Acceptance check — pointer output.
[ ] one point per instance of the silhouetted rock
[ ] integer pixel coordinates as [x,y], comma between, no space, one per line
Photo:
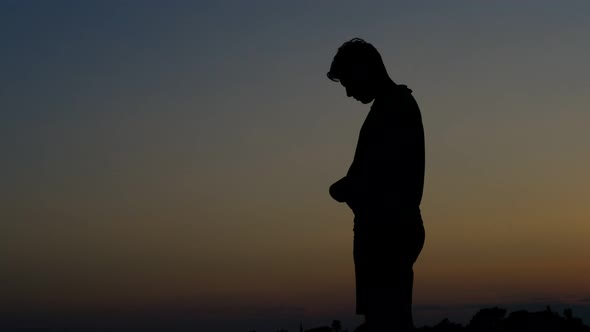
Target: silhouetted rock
[320,329]
[336,326]
[495,320]
[447,326]
[487,320]
[361,328]
[547,320]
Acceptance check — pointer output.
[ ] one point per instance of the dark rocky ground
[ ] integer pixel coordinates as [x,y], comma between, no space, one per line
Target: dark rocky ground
[496,320]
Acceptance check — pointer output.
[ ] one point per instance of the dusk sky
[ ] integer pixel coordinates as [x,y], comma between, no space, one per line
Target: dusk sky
[173,158]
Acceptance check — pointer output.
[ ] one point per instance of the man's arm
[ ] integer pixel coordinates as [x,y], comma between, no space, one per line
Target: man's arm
[339,190]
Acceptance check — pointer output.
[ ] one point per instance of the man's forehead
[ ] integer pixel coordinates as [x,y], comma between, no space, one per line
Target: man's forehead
[354,74]
[348,80]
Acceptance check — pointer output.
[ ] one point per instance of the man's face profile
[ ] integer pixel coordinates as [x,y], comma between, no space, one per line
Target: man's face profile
[358,85]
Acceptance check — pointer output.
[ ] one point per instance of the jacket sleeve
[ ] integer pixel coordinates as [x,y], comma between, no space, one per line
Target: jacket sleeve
[339,190]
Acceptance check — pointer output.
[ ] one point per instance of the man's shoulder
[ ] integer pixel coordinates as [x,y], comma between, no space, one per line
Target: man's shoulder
[398,99]
[402,95]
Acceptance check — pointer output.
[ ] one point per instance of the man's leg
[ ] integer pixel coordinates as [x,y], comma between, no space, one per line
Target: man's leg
[392,280]
[393,309]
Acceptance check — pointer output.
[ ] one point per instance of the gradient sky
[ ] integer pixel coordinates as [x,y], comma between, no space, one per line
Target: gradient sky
[176,156]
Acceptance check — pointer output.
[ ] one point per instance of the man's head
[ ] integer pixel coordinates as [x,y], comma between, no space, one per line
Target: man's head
[359,68]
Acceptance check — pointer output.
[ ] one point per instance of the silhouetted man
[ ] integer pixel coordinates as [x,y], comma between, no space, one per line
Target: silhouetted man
[383,187]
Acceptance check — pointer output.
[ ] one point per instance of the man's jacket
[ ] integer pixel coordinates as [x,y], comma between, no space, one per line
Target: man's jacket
[386,178]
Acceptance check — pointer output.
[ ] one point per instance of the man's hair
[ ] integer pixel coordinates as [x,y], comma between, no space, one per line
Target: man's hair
[354,52]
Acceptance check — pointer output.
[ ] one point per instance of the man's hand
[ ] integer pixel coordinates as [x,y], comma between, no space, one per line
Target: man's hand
[338,190]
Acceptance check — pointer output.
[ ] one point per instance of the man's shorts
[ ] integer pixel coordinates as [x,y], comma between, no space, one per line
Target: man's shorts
[384,257]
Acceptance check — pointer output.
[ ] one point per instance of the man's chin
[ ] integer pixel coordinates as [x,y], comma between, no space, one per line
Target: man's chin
[364,100]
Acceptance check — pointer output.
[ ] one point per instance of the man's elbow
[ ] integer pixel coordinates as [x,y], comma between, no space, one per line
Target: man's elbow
[338,191]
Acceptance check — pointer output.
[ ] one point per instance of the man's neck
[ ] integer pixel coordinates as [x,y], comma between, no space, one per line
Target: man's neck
[384,88]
